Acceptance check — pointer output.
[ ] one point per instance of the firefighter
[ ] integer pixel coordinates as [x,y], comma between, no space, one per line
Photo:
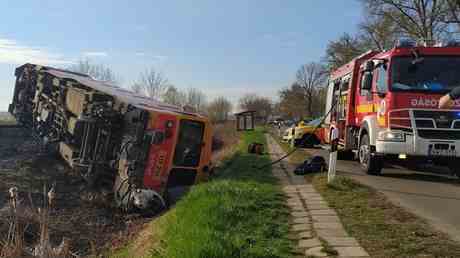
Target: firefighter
[447,101]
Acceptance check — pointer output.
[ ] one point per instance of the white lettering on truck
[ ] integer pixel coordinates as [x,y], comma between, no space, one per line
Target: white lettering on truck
[423,102]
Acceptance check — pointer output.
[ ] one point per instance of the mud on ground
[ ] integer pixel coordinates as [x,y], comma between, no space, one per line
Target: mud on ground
[87,218]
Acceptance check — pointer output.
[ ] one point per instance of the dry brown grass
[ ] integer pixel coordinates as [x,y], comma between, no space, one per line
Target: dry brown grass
[225,141]
[22,216]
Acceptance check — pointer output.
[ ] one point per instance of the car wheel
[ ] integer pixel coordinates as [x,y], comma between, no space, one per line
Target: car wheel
[309,141]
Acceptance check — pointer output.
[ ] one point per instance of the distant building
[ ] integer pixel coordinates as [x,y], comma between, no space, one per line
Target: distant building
[245,120]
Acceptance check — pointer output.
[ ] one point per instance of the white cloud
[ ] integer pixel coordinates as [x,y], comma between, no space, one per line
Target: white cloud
[156,58]
[95,53]
[12,52]
[159,57]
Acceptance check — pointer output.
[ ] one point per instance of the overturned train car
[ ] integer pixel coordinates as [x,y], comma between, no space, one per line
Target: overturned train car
[140,147]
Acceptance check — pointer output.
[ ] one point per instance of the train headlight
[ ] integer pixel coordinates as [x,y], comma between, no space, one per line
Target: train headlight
[391,136]
[169,124]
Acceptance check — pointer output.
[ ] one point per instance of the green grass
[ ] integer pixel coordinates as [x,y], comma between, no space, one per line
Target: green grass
[382,228]
[240,213]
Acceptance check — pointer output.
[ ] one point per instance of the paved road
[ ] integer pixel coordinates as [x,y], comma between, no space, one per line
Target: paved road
[433,197]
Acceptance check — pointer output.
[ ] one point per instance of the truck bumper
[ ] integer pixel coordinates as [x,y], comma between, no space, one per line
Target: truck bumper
[414,145]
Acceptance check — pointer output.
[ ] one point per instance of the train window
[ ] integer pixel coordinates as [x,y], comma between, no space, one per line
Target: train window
[189,143]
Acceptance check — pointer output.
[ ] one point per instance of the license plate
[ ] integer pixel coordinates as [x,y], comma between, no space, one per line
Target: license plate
[440,152]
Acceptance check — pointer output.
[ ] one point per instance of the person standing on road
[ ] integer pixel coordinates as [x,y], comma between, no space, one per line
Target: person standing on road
[448,100]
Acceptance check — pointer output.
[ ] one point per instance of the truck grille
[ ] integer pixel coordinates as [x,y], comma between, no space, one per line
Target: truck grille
[435,118]
[439,134]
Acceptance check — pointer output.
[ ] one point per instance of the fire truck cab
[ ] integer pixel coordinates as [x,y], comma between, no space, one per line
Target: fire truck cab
[385,105]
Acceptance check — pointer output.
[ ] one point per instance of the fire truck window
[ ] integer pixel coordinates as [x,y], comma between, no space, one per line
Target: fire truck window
[344,85]
[336,87]
[189,142]
[433,74]
[382,79]
[366,78]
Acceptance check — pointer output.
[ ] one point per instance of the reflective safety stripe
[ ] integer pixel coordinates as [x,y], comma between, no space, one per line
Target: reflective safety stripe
[381,120]
[367,108]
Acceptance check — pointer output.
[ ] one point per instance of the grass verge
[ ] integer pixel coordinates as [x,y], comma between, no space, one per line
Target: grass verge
[382,228]
[240,213]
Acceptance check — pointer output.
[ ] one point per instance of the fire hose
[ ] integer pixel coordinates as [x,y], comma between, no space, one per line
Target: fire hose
[306,139]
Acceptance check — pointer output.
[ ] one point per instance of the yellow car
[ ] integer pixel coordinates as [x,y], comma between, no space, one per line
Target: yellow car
[304,134]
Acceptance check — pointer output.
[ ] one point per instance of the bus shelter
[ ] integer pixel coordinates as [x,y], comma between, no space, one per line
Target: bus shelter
[245,120]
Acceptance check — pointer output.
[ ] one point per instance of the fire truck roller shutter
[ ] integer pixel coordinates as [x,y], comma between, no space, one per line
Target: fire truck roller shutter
[330,91]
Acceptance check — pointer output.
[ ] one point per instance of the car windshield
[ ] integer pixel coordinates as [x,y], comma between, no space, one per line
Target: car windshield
[188,149]
[314,122]
[431,73]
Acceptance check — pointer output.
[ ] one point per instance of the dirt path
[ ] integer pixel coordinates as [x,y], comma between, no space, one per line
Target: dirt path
[315,226]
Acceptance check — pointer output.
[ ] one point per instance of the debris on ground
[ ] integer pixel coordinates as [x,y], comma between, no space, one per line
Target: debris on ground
[316,164]
[256,148]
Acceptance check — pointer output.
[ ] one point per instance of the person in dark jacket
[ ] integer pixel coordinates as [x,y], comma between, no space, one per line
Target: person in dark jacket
[447,101]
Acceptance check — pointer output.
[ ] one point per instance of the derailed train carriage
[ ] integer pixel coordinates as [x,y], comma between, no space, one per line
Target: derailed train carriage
[141,148]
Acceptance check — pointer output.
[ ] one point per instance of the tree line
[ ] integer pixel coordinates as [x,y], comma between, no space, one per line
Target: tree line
[154,84]
[386,21]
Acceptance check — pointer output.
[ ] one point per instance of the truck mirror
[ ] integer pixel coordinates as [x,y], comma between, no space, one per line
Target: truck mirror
[366,82]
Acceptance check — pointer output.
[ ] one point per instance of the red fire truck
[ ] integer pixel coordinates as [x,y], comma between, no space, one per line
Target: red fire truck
[385,105]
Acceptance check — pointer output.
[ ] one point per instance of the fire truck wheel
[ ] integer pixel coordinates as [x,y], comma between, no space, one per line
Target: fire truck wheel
[370,164]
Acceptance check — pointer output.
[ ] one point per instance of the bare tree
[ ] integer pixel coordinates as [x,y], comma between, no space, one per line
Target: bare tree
[219,109]
[97,71]
[310,77]
[153,83]
[293,102]
[378,32]
[196,99]
[341,51]
[137,88]
[174,96]
[453,12]
[262,105]
[420,19]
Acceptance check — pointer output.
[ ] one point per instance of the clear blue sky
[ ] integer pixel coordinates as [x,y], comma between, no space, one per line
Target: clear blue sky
[225,48]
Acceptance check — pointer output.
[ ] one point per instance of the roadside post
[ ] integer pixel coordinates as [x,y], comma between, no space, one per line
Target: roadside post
[333,155]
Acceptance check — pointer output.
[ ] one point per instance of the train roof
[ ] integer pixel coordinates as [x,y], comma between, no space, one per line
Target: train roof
[110,88]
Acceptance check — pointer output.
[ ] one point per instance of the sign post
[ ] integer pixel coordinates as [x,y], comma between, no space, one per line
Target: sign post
[333,155]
